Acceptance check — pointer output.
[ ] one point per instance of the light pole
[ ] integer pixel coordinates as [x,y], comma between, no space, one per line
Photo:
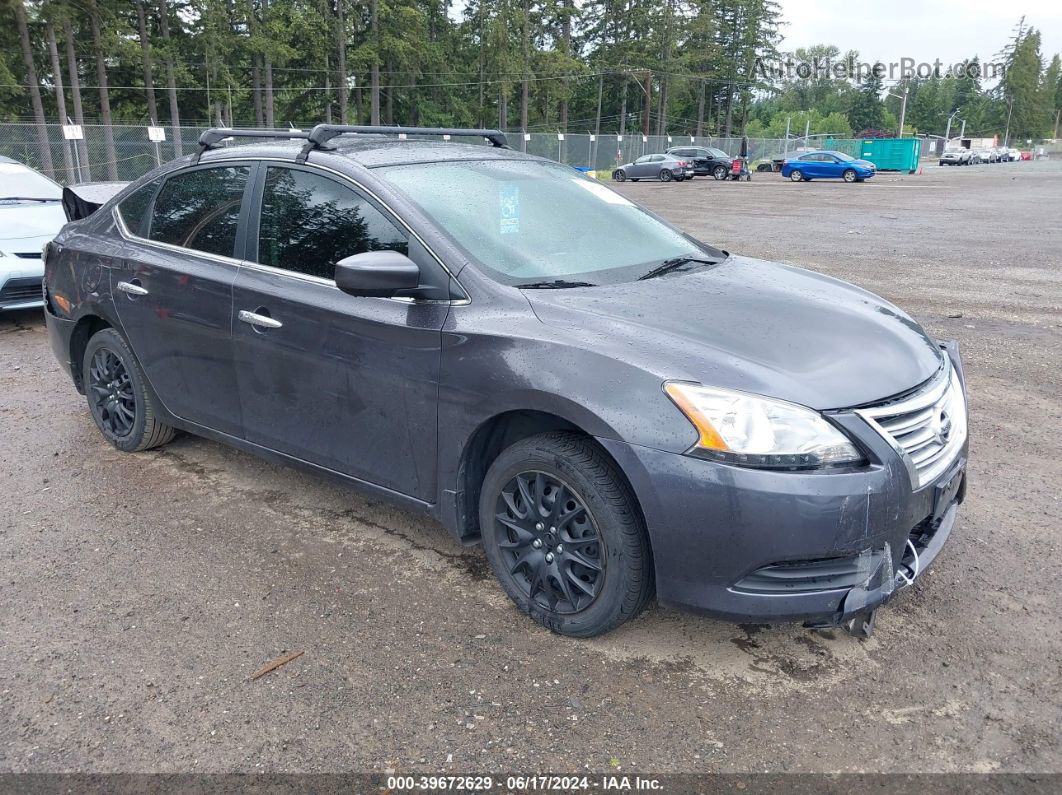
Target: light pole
[947,132]
[903,106]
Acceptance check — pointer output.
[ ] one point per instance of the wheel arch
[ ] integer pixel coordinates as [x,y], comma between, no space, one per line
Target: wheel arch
[86,326]
[493,436]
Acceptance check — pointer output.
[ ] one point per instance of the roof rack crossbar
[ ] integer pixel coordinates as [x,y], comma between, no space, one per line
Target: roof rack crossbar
[323,133]
[215,135]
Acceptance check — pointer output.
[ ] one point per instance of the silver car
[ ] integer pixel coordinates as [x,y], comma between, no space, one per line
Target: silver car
[663,167]
[31,214]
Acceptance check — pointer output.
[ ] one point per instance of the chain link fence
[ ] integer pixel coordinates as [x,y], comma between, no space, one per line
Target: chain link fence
[90,160]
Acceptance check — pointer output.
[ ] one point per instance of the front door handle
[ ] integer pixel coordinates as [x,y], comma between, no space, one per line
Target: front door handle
[132,288]
[262,321]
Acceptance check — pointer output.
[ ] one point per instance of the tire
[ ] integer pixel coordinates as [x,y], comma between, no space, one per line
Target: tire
[619,175]
[634,179]
[940,163]
[665,175]
[719,172]
[795,175]
[600,506]
[849,175]
[127,417]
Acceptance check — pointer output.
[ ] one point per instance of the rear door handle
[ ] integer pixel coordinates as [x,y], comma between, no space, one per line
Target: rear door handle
[131,288]
[263,321]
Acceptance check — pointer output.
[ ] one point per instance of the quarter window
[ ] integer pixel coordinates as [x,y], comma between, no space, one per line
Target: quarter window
[309,222]
[200,209]
[133,208]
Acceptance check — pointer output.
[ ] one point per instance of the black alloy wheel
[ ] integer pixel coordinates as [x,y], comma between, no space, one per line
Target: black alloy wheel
[550,542]
[111,394]
[122,405]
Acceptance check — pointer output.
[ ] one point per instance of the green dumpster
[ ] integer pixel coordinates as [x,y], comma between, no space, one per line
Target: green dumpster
[888,154]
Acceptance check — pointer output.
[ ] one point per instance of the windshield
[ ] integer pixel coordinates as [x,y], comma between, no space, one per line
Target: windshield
[718,152]
[19,182]
[529,222]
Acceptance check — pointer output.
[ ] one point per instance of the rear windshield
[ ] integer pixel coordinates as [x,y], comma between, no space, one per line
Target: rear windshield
[532,221]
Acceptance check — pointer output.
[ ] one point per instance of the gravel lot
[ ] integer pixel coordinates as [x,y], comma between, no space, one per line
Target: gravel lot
[139,592]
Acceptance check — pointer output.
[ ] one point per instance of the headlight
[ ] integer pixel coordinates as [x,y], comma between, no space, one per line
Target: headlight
[748,430]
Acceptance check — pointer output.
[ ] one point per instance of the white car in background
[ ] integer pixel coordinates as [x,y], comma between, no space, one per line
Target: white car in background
[31,214]
[956,157]
[987,156]
[1013,154]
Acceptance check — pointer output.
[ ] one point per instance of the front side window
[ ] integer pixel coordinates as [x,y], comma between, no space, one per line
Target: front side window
[527,221]
[200,209]
[309,222]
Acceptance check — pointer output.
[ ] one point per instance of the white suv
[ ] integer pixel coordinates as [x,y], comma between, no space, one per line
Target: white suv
[31,214]
[956,157]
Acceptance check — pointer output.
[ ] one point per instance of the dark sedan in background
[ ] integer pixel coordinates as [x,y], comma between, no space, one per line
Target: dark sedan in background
[707,160]
[664,167]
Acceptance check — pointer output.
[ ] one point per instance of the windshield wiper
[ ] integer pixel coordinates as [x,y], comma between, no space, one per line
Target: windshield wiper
[674,263]
[26,199]
[556,284]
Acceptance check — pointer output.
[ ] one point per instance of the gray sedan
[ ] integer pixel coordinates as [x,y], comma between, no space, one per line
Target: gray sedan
[662,167]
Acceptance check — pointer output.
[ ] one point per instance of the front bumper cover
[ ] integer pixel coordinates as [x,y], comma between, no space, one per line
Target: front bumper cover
[713,526]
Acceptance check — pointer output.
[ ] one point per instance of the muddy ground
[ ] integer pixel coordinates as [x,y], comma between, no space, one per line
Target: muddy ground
[139,592]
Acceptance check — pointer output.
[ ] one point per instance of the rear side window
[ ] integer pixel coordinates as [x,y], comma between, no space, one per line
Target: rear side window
[200,209]
[309,222]
[133,208]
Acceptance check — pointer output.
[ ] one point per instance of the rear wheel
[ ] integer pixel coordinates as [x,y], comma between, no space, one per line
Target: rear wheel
[619,175]
[118,397]
[665,175]
[564,536]
[719,172]
[849,175]
[795,175]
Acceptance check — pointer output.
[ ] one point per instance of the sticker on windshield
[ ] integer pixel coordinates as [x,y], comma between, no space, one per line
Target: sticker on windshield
[509,209]
[601,191]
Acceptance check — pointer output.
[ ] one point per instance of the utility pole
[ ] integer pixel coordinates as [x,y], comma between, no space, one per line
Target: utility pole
[785,152]
[962,132]
[648,101]
[1010,110]
[807,129]
[903,108]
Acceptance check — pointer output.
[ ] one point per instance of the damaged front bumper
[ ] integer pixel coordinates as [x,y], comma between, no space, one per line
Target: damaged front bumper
[822,547]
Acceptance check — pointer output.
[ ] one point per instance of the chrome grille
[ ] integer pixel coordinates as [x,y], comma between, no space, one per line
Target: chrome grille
[927,428]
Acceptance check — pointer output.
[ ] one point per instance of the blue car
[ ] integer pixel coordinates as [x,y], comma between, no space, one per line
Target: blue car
[827,164]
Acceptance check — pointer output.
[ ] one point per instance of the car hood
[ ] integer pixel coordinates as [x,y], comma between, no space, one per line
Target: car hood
[863,164]
[756,326]
[30,220]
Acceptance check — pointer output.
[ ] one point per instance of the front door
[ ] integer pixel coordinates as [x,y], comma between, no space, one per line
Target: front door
[348,383]
[173,290]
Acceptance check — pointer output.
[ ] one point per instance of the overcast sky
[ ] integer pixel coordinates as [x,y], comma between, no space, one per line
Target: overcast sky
[951,30]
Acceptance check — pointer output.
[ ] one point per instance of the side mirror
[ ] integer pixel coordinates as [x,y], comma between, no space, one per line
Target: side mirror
[377,273]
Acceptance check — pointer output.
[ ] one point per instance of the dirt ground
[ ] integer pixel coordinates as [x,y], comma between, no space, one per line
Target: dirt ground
[139,592]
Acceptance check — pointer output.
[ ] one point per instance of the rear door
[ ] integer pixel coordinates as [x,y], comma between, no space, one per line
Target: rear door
[348,383]
[173,289]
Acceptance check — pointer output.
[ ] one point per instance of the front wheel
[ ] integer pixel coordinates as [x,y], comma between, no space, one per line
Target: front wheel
[849,175]
[118,395]
[564,536]
[665,175]
[795,175]
[619,175]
